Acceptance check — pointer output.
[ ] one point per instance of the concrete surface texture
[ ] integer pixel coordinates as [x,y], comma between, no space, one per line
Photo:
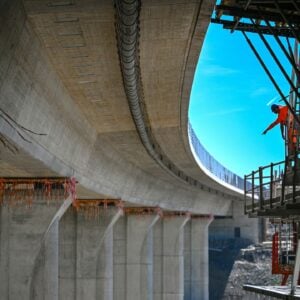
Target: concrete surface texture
[65,76]
[28,260]
[61,76]
[138,257]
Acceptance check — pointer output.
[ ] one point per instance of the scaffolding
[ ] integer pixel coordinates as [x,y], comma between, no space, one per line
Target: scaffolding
[23,192]
[273,191]
[284,248]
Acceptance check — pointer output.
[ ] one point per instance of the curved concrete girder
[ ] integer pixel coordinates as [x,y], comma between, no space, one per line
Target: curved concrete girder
[128,38]
[48,97]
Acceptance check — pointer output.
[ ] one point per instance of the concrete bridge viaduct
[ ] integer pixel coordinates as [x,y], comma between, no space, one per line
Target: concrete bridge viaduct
[99,91]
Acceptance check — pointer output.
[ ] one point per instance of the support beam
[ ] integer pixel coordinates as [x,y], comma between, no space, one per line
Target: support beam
[173,257]
[199,258]
[51,262]
[105,283]
[87,257]
[119,260]
[67,255]
[46,268]
[139,262]
[158,260]
[28,248]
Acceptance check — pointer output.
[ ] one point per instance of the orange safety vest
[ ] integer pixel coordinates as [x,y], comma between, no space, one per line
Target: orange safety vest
[282,117]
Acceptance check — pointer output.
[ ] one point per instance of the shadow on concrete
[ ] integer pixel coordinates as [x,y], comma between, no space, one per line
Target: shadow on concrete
[222,255]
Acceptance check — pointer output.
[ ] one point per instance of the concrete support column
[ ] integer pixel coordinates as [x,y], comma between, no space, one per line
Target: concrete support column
[187,261]
[28,258]
[173,257]
[51,262]
[45,277]
[199,258]
[139,261]
[104,282]
[88,236]
[157,260]
[119,259]
[67,256]
[50,252]
[87,256]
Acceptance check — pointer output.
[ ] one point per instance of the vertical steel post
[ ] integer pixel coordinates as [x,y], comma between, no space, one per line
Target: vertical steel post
[261,190]
[245,195]
[295,170]
[253,190]
[296,269]
[283,182]
[271,186]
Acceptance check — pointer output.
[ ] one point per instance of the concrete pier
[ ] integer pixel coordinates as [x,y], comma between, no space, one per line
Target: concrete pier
[113,255]
[158,260]
[119,259]
[139,262]
[197,266]
[173,257]
[87,256]
[51,262]
[28,260]
[67,255]
[105,280]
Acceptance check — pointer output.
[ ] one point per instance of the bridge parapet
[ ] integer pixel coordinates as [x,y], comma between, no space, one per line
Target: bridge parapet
[212,165]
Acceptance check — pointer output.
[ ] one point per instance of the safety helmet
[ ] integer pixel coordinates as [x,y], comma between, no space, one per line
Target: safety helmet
[274,107]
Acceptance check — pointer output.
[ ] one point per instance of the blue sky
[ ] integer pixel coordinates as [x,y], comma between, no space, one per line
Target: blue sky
[228,105]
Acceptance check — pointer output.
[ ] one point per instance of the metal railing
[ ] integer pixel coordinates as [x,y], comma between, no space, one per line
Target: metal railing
[266,187]
[273,186]
[212,165]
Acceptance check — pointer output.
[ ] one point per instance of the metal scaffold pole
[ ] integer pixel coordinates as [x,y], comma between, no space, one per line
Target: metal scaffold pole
[297,266]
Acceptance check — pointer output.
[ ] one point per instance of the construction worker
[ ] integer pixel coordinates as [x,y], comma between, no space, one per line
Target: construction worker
[285,120]
[282,112]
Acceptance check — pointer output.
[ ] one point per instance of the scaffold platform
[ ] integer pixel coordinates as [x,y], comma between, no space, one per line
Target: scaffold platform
[276,292]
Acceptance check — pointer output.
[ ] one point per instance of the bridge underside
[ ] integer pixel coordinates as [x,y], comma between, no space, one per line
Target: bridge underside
[99,91]
[62,76]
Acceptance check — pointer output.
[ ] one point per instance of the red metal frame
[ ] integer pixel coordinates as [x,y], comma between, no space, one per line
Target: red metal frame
[278,268]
